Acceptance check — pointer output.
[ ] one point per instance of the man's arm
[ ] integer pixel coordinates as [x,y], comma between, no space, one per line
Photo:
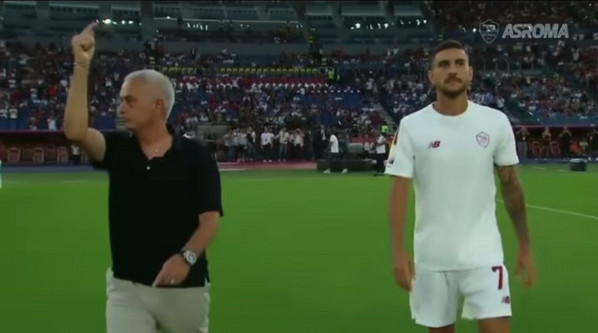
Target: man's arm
[399,196]
[76,114]
[210,207]
[205,233]
[400,166]
[176,269]
[513,196]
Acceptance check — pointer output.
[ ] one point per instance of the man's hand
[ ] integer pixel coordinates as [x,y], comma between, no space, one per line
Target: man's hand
[174,272]
[526,262]
[404,270]
[84,44]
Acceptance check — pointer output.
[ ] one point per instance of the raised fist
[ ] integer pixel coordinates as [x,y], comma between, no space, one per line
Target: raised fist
[84,44]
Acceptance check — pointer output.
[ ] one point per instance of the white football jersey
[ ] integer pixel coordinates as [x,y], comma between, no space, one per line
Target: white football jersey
[451,161]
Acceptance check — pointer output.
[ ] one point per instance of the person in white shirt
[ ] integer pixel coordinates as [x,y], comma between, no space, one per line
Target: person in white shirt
[241,144]
[298,143]
[334,152]
[267,139]
[449,150]
[229,144]
[380,146]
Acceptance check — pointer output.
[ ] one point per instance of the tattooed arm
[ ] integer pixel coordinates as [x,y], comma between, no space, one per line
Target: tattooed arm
[513,196]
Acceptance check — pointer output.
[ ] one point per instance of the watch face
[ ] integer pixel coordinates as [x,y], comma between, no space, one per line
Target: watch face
[190,257]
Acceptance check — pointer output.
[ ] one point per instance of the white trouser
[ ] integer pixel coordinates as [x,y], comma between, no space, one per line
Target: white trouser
[133,307]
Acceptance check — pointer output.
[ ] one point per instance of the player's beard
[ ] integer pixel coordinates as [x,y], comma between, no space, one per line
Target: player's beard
[453,93]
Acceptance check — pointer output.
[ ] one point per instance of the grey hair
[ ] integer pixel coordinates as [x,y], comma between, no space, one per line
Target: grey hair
[159,80]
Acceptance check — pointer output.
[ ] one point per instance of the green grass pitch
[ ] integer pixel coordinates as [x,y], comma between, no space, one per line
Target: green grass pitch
[298,252]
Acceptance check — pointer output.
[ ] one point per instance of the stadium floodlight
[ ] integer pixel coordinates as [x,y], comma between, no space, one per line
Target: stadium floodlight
[131,22]
[357,25]
[107,21]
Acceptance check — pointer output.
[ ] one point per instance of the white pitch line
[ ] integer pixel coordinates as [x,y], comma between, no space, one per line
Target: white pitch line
[539,168]
[560,211]
[62,181]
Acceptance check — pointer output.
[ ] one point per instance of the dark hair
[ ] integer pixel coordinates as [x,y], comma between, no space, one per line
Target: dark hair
[446,45]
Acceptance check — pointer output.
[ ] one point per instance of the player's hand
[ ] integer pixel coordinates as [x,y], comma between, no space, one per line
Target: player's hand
[174,272]
[404,270]
[83,44]
[525,262]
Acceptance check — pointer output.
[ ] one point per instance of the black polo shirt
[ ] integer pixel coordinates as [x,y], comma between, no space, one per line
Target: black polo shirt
[154,205]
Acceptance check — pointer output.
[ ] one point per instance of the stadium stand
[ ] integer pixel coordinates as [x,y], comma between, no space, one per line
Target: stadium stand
[331,85]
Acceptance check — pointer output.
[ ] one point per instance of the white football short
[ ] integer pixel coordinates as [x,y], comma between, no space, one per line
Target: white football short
[436,294]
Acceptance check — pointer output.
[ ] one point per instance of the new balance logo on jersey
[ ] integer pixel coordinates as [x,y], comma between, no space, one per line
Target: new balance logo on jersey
[506,300]
[434,144]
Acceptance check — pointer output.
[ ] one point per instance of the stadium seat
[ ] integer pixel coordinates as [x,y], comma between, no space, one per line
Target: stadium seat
[63,155]
[27,154]
[38,155]
[50,154]
[14,155]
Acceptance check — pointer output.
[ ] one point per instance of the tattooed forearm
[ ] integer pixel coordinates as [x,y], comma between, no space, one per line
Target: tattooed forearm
[513,196]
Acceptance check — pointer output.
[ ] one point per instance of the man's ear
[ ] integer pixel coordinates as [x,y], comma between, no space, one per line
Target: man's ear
[430,77]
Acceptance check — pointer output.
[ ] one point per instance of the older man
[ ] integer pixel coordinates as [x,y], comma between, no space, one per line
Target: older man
[164,203]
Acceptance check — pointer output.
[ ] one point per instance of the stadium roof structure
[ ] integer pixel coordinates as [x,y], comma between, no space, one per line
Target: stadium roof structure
[329,22]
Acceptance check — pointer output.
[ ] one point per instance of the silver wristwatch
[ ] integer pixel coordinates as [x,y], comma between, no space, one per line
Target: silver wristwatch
[189,256]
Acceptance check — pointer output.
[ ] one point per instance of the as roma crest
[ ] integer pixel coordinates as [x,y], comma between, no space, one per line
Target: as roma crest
[483,139]
[489,31]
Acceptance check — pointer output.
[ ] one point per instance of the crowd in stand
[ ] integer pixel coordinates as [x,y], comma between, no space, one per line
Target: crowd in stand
[34,84]
[564,85]
[544,97]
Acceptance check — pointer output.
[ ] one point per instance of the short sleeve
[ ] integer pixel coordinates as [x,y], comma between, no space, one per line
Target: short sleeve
[210,195]
[505,152]
[114,141]
[401,158]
